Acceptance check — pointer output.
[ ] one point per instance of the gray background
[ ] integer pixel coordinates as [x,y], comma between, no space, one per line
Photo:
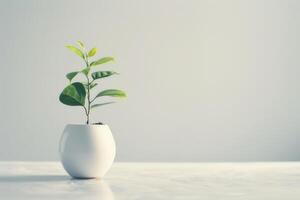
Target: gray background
[207,80]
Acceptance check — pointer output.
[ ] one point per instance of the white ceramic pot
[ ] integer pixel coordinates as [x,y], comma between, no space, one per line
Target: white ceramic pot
[87,151]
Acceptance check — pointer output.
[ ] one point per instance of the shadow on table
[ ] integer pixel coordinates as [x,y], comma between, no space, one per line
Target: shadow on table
[34,178]
[59,185]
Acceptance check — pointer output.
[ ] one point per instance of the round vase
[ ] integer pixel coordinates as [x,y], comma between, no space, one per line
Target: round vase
[87,151]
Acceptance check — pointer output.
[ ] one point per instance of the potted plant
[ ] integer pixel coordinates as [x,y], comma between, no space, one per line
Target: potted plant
[87,150]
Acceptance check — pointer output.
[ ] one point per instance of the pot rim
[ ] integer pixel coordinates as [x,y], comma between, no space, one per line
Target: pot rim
[87,125]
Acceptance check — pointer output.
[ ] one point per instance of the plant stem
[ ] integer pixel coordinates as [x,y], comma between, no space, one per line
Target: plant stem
[89,102]
[88,110]
[85,110]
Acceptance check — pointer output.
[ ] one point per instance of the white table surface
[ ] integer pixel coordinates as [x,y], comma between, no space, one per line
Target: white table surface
[172,181]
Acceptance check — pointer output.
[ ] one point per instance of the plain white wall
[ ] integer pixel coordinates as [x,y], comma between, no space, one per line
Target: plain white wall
[207,80]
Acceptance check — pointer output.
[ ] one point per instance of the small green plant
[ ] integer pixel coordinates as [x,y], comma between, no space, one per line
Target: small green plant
[79,93]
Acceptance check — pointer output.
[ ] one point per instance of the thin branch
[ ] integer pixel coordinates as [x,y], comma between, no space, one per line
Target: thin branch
[93,99]
[85,110]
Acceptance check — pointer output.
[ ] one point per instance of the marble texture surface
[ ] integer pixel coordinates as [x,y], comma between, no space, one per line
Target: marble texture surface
[184,181]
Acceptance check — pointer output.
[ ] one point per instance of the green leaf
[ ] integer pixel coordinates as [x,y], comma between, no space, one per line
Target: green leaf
[80,44]
[86,70]
[92,52]
[71,75]
[73,95]
[93,85]
[112,93]
[102,74]
[102,61]
[101,104]
[76,50]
